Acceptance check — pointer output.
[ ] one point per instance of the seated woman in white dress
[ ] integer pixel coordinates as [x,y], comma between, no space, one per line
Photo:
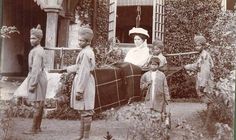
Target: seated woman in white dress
[140,54]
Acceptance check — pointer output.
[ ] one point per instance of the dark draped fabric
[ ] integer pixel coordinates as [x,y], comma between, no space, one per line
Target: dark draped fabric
[117,86]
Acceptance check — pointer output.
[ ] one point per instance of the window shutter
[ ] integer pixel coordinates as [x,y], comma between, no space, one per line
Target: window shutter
[158,20]
[112,19]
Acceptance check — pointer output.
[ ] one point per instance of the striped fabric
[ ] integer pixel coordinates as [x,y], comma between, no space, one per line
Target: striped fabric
[134,2]
[116,86]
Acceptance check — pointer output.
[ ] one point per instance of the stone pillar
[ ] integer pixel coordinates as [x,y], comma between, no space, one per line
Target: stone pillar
[63,35]
[51,35]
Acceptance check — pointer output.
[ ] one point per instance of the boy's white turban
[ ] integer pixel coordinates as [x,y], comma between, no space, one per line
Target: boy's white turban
[199,39]
[86,33]
[37,32]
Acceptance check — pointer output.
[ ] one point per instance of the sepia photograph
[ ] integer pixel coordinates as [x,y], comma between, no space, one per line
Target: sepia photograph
[117,69]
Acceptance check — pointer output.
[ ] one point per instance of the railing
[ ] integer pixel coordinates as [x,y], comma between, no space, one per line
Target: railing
[63,49]
[62,53]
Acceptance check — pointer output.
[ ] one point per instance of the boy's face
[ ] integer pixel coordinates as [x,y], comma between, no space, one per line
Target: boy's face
[199,47]
[82,42]
[153,66]
[34,41]
[155,50]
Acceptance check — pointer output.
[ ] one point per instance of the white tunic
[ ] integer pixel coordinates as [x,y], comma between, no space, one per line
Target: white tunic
[84,81]
[163,60]
[204,75]
[153,75]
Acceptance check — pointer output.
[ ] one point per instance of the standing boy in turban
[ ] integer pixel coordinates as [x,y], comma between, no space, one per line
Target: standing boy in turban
[83,88]
[203,66]
[37,80]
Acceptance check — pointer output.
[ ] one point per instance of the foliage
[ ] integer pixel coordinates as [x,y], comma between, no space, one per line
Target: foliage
[108,136]
[187,131]
[184,19]
[85,11]
[6,121]
[6,113]
[100,12]
[65,57]
[223,44]
[101,23]
[108,54]
[224,61]
[181,85]
[225,36]
[223,100]
[7,31]
[95,14]
[144,124]
[223,52]
[224,132]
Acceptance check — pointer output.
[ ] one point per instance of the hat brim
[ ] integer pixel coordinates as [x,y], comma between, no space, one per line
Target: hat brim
[138,31]
[133,34]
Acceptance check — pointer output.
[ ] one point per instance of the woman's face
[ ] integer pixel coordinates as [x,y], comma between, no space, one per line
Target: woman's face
[138,40]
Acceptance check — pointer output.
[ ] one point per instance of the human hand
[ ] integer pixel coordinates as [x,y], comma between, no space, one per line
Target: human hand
[57,71]
[79,96]
[147,84]
[31,89]
[201,89]
[211,69]
[62,71]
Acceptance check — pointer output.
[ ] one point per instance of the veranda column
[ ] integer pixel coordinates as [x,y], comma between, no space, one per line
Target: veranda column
[51,36]
[63,35]
[52,7]
[67,16]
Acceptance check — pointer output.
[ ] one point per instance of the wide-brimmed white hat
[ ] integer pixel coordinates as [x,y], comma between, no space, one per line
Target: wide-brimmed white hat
[141,31]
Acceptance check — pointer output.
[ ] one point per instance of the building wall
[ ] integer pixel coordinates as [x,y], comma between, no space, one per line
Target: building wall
[230,4]
[24,14]
[227,4]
